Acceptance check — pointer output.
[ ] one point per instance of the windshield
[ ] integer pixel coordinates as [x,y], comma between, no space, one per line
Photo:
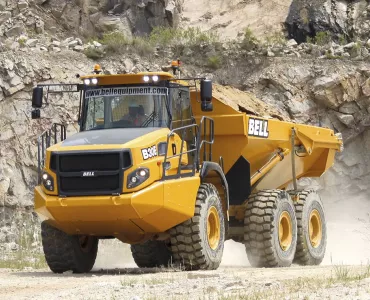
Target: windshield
[126,107]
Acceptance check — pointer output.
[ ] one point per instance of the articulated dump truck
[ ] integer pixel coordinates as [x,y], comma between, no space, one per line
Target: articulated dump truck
[164,164]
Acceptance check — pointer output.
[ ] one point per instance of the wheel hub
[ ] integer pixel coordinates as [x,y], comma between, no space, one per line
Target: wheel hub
[315,228]
[213,228]
[285,231]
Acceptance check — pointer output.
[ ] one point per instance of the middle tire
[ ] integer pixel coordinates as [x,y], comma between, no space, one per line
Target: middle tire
[198,243]
[151,254]
[270,229]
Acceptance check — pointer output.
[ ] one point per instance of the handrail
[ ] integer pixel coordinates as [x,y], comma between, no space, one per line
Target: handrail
[45,140]
[203,124]
[181,153]
[200,142]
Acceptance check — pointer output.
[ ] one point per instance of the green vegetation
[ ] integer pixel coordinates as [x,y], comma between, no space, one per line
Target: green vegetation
[329,55]
[214,62]
[160,39]
[28,253]
[346,274]
[322,38]
[22,42]
[23,259]
[276,38]
[342,40]
[205,48]
[304,16]
[190,37]
[116,42]
[94,53]
[250,41]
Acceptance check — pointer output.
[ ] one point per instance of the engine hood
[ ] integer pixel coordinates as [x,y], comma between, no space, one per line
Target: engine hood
[114,136]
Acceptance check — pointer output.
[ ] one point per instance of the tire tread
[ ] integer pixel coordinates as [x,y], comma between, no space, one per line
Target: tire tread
[59,251]
[259,227]
[186,240]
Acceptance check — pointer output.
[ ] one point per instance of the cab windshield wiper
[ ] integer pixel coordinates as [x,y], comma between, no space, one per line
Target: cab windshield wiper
[149,119]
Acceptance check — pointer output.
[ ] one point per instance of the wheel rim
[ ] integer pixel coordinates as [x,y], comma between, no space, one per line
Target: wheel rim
[85,242]
[213,228]
[285,231]
[315,229]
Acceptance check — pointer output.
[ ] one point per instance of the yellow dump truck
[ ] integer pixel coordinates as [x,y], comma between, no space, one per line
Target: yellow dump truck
[164,164]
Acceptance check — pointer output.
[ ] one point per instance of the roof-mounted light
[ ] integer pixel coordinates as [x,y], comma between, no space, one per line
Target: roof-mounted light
[155,78]
[94,81]
[146,78]
[97,69]
[87,81]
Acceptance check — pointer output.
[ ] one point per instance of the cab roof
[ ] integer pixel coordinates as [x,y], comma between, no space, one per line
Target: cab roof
[121,79]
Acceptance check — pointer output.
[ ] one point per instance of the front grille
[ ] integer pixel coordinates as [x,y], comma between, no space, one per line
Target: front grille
[91,173]
[93,162]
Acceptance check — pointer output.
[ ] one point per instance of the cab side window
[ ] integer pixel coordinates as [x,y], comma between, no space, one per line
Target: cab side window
[95,113]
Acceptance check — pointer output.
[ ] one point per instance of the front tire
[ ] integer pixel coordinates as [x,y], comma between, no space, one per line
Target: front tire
[65,252]
[198,243]
[270,229]
[312,232]
[151,254]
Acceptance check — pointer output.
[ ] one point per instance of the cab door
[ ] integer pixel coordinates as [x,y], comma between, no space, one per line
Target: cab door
[182,116]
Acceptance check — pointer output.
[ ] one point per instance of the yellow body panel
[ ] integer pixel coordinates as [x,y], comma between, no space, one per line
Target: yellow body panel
[178,203]
[129,217]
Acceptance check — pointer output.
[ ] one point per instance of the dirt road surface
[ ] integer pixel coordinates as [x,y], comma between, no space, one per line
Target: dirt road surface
[226,283]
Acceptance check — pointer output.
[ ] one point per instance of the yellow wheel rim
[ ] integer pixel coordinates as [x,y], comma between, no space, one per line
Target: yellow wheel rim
[315,228]
[285,231]
[213,228]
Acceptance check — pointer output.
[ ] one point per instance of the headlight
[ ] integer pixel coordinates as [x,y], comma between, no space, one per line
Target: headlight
[137,177]
[146,78]
[48,181]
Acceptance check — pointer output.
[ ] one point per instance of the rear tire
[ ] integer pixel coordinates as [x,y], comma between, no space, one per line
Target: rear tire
[270,229]
[198,243]
[151,254]
[311,244]
[65,252]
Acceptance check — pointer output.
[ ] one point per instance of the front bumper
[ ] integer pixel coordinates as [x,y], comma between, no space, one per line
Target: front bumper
[128,217]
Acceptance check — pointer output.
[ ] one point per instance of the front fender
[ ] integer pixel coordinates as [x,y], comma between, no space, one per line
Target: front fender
[209,166]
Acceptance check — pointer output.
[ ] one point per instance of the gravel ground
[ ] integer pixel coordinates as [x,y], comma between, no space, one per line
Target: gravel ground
[326,282]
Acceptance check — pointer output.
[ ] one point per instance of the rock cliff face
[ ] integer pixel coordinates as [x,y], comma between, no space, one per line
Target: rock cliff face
[343,18]
[230,18]
[86,17]
[89,17]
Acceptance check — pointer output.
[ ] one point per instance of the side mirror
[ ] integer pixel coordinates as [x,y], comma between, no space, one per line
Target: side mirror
[206,95]
[37,97]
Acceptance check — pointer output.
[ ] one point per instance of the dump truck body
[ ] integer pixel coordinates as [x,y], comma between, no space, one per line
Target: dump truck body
[175,172]
[247,144]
